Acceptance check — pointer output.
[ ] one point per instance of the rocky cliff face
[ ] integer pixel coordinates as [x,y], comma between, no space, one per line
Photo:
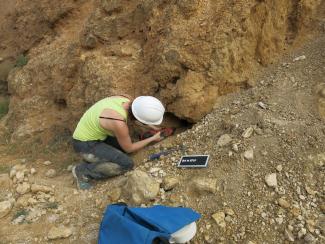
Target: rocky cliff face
[187,52]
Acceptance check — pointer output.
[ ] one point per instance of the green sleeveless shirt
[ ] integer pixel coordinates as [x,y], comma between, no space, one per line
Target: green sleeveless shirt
[89,129]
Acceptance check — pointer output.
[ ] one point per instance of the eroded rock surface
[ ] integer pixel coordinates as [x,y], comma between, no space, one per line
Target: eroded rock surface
[188,53]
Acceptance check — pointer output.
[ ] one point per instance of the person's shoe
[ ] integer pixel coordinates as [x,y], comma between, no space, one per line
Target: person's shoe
[82,181]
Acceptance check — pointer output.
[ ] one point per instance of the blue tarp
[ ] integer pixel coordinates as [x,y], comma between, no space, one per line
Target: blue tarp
[128,225]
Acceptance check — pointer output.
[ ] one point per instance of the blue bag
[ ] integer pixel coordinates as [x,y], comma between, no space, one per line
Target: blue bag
[126,225]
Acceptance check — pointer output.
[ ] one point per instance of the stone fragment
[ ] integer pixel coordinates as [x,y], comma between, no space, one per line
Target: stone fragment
[47,163]
[88,41]
[59,232]
[33,171]
[23,200]
[219,217]
[310,225]
[249,154]
[23,188]
[235,147]
[309,238]
[20,176]
[224,140]
[248,132]
[41,188]
[295,211]
[283,203]
[170,183]
[279,168]
[115,194]
[50,173]
[229,211]
[310,191]
[262,105]
[140,187]
[289,236]
[279,220]
[204,185]
[302,57]
[5,207]
[271,180]
[302,232]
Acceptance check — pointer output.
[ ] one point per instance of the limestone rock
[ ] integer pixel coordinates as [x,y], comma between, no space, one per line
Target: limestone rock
[41,188]
[114,194]
[169,183]
[23,188]
[59,232]
[249,154]
[289,236]
[23,201]
[204,185]
[283,203]
[248,132]
[5,208]
[224,140]
[271,180]
[219,217]
[51,173]
[140,187]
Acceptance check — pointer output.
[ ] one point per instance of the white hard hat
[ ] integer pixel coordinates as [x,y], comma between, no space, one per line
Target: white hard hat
[148,110]
[184,235]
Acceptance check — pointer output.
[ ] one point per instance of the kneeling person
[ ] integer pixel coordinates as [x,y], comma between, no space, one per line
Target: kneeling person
[103,140]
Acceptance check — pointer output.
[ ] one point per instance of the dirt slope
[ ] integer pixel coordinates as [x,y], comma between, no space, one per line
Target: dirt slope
[284,135]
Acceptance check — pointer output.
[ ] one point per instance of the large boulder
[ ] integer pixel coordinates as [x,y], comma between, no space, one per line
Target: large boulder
[140,188]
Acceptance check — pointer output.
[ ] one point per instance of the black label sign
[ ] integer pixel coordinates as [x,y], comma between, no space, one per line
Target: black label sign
[194,161]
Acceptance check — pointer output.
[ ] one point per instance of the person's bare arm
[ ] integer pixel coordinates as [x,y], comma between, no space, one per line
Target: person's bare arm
[121,132]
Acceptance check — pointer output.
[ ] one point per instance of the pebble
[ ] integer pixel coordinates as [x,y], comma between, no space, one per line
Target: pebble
[235,147]
[283,203]
[70,168]
[289,236]
[302,233]
[310,191]
[50,173]
[59,232]
[249,154]
[248,132]
[279,220]
[20,176]
[279,168]
[302,57]
[271,180]
[5,207]
[47,163]
[309,238]
[32,171]
[219,217]
[23,188]
[170,183]
[224,140]
[262,105]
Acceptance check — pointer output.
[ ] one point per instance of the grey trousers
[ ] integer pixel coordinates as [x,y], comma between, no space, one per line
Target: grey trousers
[102,159]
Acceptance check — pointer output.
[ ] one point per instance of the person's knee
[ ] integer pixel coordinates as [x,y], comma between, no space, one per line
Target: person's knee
[128,164]
[89,157]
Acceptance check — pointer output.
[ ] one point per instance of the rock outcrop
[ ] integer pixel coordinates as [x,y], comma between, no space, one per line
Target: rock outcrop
[188,53]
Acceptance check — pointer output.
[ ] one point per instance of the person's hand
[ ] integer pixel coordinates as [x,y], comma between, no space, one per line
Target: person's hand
[157,137]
